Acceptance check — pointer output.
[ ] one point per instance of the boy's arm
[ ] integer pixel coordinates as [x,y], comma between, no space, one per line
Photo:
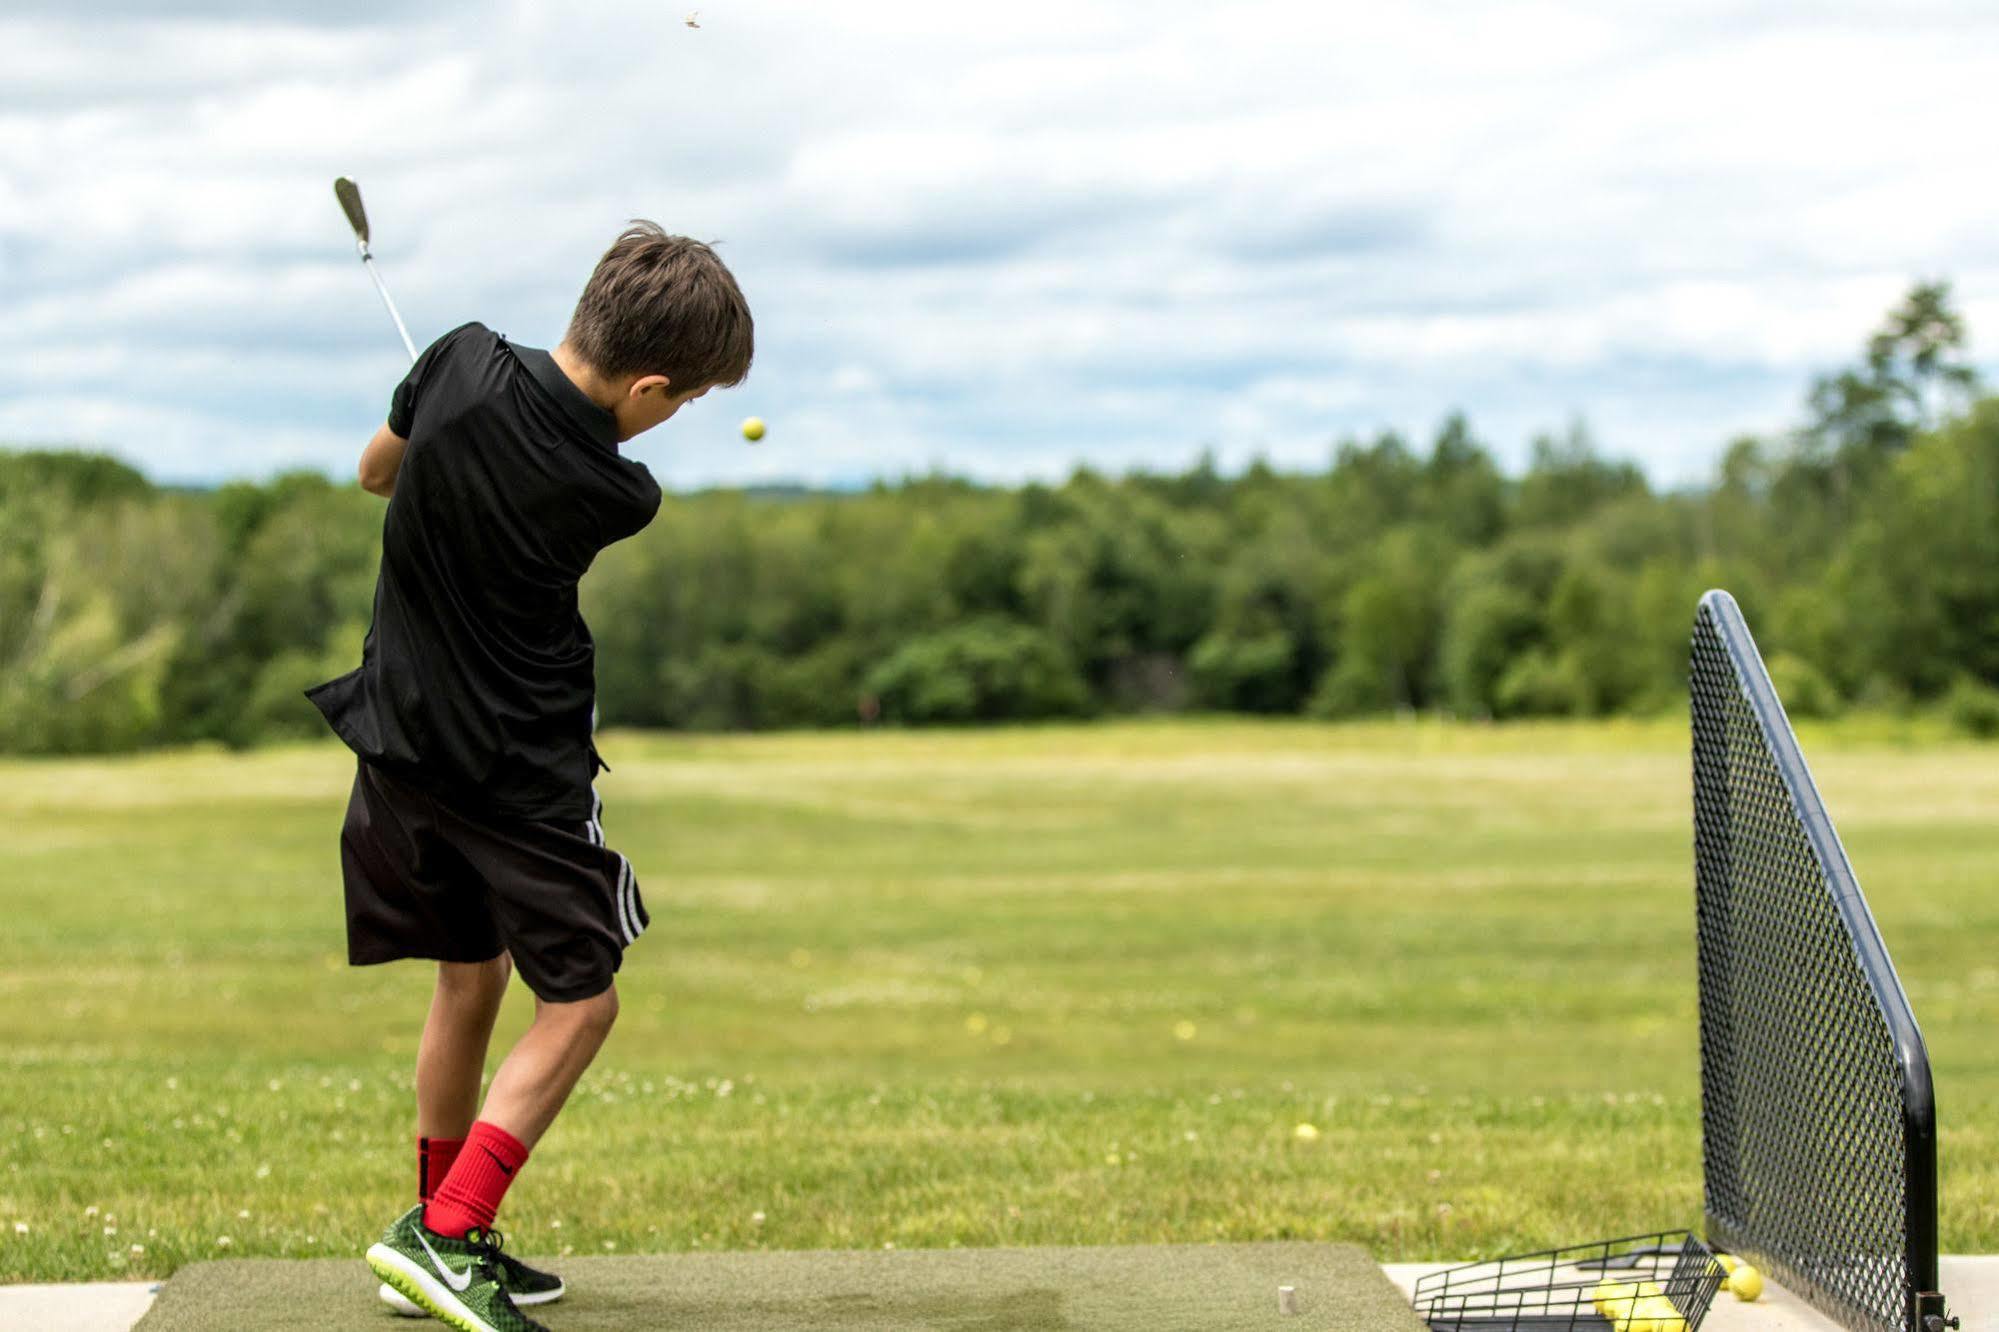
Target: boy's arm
[380,462]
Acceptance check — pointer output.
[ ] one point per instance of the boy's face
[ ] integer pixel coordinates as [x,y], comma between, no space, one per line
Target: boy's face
[649,401]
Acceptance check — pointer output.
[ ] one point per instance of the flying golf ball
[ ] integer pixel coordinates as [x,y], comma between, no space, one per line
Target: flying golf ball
[753,428]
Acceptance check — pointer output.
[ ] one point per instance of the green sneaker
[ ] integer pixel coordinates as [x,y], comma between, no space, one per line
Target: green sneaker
[528,1286]
[456,1281]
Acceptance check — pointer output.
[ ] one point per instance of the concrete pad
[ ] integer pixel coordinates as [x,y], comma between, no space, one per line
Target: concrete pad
[1970,1283]
[102,1306]
[1972,1286]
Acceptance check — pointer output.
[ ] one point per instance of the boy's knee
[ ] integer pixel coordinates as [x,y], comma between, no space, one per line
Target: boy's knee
[475,980]
[598,1012]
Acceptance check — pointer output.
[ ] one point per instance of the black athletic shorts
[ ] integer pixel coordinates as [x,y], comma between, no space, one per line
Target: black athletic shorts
[426,880]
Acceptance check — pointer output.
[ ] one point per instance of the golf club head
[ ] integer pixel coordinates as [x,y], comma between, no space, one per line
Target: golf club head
[349,194]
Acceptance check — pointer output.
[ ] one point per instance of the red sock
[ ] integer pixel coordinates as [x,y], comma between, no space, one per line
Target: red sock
[470,1195]
[433,1162]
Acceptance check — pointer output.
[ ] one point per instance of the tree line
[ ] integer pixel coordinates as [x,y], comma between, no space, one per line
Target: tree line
[1864,544]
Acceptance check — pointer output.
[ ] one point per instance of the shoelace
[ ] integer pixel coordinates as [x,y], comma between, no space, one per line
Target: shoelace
[489,1244]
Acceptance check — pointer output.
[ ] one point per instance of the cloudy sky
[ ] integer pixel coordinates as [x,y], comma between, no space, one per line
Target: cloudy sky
[999,240]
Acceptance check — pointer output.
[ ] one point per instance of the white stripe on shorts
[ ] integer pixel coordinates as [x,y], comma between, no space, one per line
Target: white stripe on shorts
[628,911]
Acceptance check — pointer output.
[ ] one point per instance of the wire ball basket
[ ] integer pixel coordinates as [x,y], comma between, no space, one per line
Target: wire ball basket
[1662,1282]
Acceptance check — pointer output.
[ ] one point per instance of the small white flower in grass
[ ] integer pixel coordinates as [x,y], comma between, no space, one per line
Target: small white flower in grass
[1112,1158]
[138,1249]
[1306,1133]
[223,1241]
[275,1085]
[20,1227]
[243,1215]
[1191,1136]
[173,1084]
[263,1171]
[90,1211]
[888,1244]
[756,1218]
[555,1224]
[610,1245]
[110,1230]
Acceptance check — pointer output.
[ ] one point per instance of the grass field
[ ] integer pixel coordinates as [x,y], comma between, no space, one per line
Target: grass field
[1044,986]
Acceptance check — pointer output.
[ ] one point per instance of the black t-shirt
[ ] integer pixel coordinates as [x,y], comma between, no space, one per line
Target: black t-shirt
[477,679]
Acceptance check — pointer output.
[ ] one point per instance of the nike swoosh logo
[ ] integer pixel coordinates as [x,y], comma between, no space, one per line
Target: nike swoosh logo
[505,1169]
[458,1281]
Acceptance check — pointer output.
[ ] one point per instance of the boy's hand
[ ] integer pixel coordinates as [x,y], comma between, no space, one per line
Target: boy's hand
[380,462]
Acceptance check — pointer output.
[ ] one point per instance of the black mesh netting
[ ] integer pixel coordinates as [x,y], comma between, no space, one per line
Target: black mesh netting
[1808,1051]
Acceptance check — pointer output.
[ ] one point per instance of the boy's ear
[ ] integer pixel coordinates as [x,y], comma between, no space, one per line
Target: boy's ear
[646,383]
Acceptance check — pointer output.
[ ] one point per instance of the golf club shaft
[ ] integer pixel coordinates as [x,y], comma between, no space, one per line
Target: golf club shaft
[368,262]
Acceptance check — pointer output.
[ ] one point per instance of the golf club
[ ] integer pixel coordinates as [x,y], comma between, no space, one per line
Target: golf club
[349,194]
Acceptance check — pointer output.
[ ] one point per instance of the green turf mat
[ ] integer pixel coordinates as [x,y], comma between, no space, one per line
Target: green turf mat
[1209,1287]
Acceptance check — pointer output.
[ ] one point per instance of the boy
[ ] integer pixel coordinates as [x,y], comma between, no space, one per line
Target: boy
[473,835]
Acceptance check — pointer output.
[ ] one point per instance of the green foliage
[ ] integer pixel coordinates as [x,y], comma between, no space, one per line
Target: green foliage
[1803,687]
[1541,683]
[987,670]
[45,476]
[1397,579]
[1973,707]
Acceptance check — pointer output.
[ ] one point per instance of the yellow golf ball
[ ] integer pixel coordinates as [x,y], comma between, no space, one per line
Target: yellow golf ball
[753,428]
[1746,1282]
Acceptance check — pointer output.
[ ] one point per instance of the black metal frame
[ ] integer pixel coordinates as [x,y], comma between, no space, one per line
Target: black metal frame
[1804,1162]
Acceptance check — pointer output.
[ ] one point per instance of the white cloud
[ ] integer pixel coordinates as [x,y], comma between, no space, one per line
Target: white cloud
[999,241]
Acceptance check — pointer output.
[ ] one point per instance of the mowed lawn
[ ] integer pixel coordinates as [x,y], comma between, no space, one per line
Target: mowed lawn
[1038,986]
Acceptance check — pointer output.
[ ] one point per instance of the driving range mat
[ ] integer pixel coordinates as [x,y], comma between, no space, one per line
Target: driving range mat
[1208,1287]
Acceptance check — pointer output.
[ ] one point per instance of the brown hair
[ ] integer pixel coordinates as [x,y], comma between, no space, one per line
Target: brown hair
[663,305]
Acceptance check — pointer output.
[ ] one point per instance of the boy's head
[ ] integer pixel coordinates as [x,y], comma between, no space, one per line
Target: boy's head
[663,321]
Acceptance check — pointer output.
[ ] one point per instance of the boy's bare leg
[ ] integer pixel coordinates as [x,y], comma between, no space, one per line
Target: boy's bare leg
[544,1065]
[452,1057]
